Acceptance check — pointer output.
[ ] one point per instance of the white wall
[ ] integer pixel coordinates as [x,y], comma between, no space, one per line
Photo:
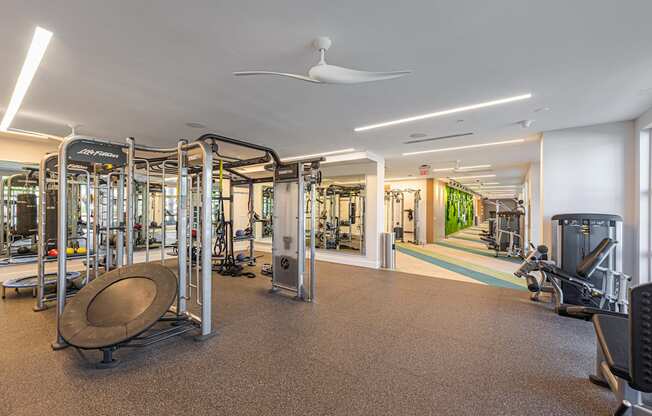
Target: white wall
[533,201]
[591,170]
[643,199]
[439,193]
[25,149]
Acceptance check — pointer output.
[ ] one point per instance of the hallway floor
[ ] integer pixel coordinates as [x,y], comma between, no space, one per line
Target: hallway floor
[462,256]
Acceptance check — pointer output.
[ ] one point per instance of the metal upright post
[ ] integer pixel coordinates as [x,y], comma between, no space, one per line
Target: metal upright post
[120,211]
[252,224]
[2,214]
[130,200]
[96,220]
[206,238]
[41,209]
[146,197]
[182,249]
[62,238]
[301,234]
[163,201]
[109,222]
[313,269]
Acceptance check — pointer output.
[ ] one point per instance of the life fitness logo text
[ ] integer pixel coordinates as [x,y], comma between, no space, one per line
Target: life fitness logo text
[102,153]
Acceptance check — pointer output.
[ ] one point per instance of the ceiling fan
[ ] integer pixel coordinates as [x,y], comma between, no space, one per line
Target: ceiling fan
[324,73]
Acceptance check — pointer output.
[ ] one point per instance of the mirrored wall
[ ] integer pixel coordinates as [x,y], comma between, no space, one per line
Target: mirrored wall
[340,214]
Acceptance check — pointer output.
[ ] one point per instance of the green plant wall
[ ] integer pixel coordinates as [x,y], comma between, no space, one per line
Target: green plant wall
[459,210]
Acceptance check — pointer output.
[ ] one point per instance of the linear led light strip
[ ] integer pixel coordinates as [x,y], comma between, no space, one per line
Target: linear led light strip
[446,112]
[470,146]
[462,168]
[334,152]
[491,175]
[496,188]
[37,49]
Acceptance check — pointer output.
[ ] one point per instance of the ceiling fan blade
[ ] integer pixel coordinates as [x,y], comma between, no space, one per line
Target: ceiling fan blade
[332,74]
[282,74]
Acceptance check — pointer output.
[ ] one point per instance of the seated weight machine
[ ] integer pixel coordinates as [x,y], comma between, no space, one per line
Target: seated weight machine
[624,351]
[609,295]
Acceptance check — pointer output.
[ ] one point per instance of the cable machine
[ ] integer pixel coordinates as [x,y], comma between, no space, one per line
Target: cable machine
[402,218]
[292,181]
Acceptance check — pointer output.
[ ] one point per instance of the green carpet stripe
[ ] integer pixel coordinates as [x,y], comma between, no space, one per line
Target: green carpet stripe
[468,265]
[462,237]
[468,234]
[478,251]
[480,277]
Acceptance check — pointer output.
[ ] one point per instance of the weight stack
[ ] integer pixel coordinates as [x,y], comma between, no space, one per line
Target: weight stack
[26,214]
[51,214]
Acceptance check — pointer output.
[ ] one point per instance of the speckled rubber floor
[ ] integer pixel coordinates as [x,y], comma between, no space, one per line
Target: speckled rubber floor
[375,343]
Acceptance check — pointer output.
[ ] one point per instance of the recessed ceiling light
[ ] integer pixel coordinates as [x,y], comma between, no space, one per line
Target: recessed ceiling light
[473,177]
[445,112]
[417,135]
[35,54]
[471,146]
[333,152]
[196,125]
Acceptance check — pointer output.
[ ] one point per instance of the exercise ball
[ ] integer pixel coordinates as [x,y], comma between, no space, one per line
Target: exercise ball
[53,252]
[70,251]
[81,250]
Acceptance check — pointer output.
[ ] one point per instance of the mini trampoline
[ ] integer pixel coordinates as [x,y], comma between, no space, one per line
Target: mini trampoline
[31,282]
[118,306]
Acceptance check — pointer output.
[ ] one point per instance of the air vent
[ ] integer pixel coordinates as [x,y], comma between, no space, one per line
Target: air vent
[431,139]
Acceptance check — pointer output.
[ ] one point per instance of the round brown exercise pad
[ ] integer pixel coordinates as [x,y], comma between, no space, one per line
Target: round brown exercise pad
[118,306]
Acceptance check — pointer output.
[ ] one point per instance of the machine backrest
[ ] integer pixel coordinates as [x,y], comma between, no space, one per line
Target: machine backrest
[640,332]
[591,261]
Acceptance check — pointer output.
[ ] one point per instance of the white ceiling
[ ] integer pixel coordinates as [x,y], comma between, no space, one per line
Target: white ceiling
[145,68]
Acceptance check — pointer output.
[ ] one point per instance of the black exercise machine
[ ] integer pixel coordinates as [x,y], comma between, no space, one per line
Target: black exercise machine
[608,296]
[624,351]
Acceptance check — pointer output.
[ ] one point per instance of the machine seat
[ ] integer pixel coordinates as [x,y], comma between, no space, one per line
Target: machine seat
[591,261]
[613,336]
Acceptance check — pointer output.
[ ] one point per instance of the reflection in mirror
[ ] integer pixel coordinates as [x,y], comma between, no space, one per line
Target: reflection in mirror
[266,211]
[18,197]
[340,208]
